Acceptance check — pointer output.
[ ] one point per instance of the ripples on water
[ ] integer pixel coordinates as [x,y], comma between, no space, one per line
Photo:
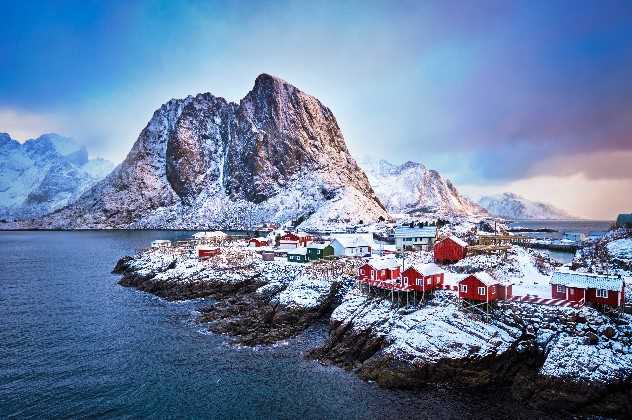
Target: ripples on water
[75,344]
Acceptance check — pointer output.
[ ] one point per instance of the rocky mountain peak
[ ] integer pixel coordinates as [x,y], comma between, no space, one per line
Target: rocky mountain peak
[202,161]
[513,206]
[412,188]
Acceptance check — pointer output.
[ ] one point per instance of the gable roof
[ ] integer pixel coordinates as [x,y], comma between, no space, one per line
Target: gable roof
[423,232]
[484,278]
[351,241]
[456,240]
[297,251]
[383,263]
[318,246]
[586,280]
[426,269]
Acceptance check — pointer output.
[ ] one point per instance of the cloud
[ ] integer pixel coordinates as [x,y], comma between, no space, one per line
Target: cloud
[22,125]
[600,199]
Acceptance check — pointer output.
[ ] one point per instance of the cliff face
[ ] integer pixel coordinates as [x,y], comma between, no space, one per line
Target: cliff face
[201,161]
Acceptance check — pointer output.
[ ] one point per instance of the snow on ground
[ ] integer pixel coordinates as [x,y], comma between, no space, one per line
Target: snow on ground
[605,362]
[305,293]
[620,248]
[430,333]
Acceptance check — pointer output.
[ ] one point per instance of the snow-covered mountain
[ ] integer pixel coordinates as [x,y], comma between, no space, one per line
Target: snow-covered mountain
[412,188]
[515,207]
[44,174]
[201,161]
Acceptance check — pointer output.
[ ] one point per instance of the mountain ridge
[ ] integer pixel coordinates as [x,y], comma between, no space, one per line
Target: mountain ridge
[413,189]
[202,161]
[513,206]
[44,174]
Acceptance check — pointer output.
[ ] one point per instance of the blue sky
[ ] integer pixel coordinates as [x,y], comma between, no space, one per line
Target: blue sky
[531,96]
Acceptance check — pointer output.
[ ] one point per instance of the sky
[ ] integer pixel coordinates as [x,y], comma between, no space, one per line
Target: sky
[532,97]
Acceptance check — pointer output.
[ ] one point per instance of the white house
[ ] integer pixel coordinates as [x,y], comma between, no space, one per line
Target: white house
[351,246]
[415,238]
[574,236]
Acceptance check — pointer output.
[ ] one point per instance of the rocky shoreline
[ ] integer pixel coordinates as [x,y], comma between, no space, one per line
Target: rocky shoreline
[546,358]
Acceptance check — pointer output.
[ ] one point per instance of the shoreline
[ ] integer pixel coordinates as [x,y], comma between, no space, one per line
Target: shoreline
[260,309]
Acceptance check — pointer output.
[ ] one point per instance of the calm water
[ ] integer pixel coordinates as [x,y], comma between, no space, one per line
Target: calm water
[75,344]
[561,226]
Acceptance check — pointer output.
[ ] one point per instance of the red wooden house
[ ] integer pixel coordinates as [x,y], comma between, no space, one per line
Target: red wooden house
[449,249]
[380,269]
[480,287]
[207,251]
[302,238]
[587,287]
[258,242]
[423,278]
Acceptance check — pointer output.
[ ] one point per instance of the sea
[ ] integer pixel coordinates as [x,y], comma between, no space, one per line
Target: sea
[559,227]
[75,344]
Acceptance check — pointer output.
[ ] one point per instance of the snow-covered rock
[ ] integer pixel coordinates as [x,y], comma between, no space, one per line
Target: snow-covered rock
[201,162]
[620,248]
[412,188]
[515,207]
[44,174]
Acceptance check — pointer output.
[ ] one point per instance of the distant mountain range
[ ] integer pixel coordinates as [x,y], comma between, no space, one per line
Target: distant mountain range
[411,188]
[512,206]
[201,161]
[44,174]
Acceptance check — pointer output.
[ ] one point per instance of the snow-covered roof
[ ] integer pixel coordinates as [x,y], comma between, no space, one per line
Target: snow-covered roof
[456,240]
[288,241]
[383,263]
[319,246]
[427,269]
[260,239]
[297,251]
[206,248]
[423,232]
[586,280]
[352,241]
[484,277]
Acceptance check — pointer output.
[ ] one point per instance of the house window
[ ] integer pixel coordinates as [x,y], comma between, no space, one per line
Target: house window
[561,289]
[464,288]
[481,291]
[373,274]
[405,280]
[429,282]
[419,282]
[399,282]
[602,293]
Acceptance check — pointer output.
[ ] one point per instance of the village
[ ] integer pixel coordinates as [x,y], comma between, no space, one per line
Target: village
[460,302]
[422,258]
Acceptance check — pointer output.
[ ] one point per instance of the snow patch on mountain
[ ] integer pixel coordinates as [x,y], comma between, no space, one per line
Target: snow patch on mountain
[412,188]
[515,207]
